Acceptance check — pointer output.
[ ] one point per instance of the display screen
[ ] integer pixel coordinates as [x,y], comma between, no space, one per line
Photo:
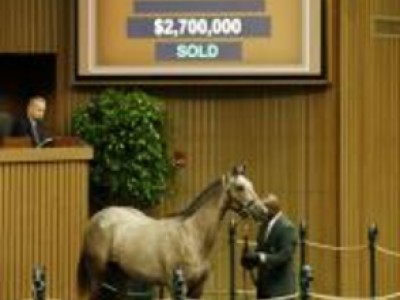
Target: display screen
[198,38]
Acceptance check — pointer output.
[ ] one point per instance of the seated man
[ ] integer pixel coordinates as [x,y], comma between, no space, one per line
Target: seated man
[273,256]
[31,123]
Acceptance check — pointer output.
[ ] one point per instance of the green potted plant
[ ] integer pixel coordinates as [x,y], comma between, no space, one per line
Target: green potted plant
[131,164]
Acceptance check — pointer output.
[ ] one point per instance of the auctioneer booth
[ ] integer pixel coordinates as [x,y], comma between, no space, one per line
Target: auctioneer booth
[43,209]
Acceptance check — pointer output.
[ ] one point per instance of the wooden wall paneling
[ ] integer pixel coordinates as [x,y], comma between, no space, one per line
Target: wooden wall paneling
[350,139]
[28,26]
[369,142]
[322,174]
[38,228]
[385,145]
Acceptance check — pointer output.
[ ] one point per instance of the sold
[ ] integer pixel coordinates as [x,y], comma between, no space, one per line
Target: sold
[197,51]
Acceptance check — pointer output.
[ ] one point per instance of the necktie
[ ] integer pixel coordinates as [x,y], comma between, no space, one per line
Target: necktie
[262,232]
[268,231]
[35,133]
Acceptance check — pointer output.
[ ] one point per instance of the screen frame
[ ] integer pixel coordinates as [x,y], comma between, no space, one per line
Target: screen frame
[243,79]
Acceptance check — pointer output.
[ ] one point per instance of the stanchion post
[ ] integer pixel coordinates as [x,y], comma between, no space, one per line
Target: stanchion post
[38,283]
[178,285]
[305,270]
[372,237]
[232,275]
[305,282]
[302,234]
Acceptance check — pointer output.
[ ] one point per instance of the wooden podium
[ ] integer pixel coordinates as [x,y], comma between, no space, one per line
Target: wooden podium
[43,210]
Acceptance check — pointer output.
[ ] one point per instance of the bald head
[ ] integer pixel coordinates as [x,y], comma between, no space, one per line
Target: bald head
[271,201]
[36,108]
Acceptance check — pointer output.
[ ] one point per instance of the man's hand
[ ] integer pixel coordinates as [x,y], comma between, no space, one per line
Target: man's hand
[250,259]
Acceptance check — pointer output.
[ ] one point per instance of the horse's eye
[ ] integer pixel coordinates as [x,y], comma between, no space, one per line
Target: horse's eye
[239,188]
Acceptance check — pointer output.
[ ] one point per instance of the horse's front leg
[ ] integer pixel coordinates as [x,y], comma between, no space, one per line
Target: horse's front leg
[161,291]
[195,288]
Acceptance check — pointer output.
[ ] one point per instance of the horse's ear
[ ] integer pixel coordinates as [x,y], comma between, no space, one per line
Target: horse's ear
[239,170]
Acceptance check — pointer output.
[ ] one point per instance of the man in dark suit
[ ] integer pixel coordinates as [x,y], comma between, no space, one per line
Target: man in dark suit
[31,123]
[273,256]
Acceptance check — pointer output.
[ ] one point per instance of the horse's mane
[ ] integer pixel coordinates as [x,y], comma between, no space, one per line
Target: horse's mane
[199,200]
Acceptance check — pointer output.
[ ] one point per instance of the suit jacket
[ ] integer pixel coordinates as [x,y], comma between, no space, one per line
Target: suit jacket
[276,277]
[23,127]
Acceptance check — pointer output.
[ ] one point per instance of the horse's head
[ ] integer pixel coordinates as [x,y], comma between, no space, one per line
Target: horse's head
[242,197]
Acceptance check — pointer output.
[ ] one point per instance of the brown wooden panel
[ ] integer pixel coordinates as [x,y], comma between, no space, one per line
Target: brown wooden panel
[369,143]
[43,208]
[29,26]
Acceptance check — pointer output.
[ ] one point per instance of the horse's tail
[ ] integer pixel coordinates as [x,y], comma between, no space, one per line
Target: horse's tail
[83,278]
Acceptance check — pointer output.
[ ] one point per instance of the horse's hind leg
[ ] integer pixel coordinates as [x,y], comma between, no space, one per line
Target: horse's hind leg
[95,287]
[115,284]
[97,271]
